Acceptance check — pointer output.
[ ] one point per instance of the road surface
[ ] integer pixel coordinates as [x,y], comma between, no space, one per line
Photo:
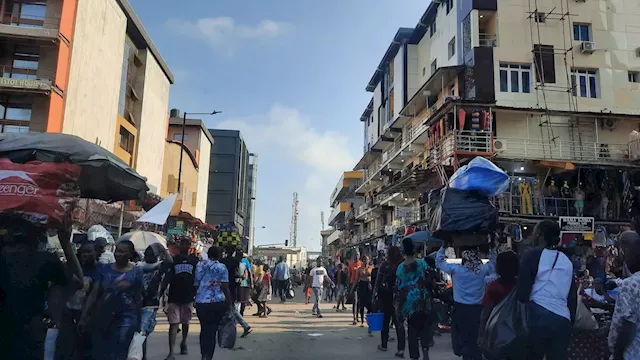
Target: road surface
[290,332]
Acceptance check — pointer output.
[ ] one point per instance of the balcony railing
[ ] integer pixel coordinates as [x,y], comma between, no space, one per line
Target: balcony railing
[460,141]
[487,40]
[514,204]
[561,150]
[29,21]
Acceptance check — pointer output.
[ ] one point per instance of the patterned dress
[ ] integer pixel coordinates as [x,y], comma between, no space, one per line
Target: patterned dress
[627,308]
[411,285]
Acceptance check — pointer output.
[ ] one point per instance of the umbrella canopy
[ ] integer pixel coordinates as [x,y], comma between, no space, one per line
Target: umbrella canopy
[159,213]
[424,237]
[142,239]
[104,176]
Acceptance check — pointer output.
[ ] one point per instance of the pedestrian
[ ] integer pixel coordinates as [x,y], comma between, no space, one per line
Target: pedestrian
[212,299]
[308,281]
[232,262]
[353,278]
[468,291]
[26,276]
[342,281]
[384,290]
[246,281]
[155,265]
[181,292]
[546,284]
[319,276]
[364,288]
[105,256]
[281,275]
[114,315]
[414,301]
[497,290]
[265,293]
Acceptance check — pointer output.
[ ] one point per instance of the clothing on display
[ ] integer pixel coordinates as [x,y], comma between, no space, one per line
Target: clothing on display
[579,202]
[475,120]
[538,198]
[525,196]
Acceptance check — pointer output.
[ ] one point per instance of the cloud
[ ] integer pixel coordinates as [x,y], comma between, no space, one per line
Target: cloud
[225,32]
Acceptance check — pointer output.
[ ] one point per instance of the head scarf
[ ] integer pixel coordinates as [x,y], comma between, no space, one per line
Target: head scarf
[471,260]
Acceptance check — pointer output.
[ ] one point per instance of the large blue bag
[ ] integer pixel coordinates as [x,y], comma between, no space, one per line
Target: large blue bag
[480,175]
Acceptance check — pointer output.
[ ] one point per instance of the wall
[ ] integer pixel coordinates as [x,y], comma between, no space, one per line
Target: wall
[615,31]
[223,177]
[91,106]
[193,134]
[190,176]
[152,129]
[413,72]
[398,84]
[203,176]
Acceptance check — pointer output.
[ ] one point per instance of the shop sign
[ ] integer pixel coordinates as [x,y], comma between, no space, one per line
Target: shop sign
[405,211]
[177,229]
[577,225]
[25,83]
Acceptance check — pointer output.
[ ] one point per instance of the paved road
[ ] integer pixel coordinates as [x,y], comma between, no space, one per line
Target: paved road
[288,333]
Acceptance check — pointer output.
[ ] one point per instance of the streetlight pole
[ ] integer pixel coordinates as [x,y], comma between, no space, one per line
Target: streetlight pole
[184,127]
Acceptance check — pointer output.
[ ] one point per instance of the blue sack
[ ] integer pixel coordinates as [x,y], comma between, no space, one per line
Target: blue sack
[480,175]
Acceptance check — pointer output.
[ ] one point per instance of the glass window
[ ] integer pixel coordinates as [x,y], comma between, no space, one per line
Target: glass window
[584,83]
[126,140]
[540,17]
[581,32]
[128,51]
[449,5]
[14,113]
[434,66]
[14,129]
[432,28]
[178,137]
[30,14]
[452,47]
[515,78]
[634,76]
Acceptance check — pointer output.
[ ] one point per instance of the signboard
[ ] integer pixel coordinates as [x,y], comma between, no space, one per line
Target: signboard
[177,229]
[31,84]
[577,225]
[405,211]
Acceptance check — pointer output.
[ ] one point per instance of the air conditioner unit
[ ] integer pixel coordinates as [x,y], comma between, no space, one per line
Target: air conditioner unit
[499,145]
[587,47]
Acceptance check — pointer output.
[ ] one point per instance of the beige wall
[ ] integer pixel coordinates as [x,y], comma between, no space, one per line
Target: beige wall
[189,180]
[203,177]
[153,122]
[91,106]
[615,31]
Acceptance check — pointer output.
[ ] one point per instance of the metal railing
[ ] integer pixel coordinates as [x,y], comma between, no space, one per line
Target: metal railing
[515,204]
[561,150]
[487,40]
[11,72]
[460,141]
[30,21]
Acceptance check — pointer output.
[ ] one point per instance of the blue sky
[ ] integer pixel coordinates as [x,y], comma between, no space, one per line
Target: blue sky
[291,76]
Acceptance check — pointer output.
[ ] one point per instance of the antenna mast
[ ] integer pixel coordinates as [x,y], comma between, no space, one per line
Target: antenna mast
[293,236]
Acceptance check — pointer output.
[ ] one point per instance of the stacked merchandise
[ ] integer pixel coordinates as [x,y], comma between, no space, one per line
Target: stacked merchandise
[462,211]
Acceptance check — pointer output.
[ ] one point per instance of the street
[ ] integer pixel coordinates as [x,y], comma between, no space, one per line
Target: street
[290,332]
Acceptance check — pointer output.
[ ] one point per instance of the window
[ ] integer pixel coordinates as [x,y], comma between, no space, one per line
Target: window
[540,17]
[634,76]
[449,4]
[583,83]
[452,90]
[515,78]
[544,62]
[126,140]
[14,129]
[582,32]
[424,70]
[432,28]
[434,66]
[452,47]
[178,137]
[28,14]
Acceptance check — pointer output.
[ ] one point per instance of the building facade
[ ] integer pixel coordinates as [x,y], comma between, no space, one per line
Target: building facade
[250,228]
[86,68]
[546,93]
[228,193]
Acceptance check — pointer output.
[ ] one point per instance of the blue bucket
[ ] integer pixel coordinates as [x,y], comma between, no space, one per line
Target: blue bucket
[374,321]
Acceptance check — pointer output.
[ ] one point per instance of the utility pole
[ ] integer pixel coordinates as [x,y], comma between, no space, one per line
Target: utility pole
[184,127]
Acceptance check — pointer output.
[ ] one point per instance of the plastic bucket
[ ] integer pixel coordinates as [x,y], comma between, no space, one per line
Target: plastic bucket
[374,321]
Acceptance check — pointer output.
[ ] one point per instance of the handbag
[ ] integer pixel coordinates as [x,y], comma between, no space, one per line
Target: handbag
[135,347]
[508,321]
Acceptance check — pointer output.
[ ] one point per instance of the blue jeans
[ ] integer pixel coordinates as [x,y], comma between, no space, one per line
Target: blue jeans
[149,322]
[317,293]
[239,318]
[549,334]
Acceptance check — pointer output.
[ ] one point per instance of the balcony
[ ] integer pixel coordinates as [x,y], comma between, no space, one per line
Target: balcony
[29,26]
[338,212]
[25,80]
[460,142]
[574,151]
[487,40]
[512,204]
[348,181]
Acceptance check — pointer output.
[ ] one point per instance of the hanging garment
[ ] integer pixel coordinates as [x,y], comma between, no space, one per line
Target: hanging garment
[488,121]
[475,120]
[441,125]
[604,204]
[483,125]
[516,233]
[538,200]
[579,203]
[462,118]
[525,195]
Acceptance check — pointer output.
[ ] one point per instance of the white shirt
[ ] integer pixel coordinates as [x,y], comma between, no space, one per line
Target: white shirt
[107,257]
[318,274]
[551,288]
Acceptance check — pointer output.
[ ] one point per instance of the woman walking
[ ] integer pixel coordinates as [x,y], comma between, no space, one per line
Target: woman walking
[213,299]
[384,290]
[265,293]
[414,301]
[115,314]
[545,282]
[342,281]
[364,288]
[468,291]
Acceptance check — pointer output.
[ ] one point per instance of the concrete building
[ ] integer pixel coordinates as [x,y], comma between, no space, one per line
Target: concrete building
[294,256]
[547,93]
[86,68]
[228,192]
[196,156]
[250,228]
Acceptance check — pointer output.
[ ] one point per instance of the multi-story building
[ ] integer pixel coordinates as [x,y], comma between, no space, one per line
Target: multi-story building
[228,180]
[547,93]
[86,68]
[196,154]
[250,227]
[344,203]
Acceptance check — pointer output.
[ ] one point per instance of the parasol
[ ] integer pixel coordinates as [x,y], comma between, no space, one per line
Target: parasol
[424,237]
[142,239]
[104,176]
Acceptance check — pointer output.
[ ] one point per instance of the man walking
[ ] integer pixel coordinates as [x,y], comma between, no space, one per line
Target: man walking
[319,276]
[180,279]
[232,262]
[281,275]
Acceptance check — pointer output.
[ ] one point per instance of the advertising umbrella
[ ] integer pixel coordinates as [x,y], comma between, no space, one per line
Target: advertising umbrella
[424,237]
[104,176]
[142,239]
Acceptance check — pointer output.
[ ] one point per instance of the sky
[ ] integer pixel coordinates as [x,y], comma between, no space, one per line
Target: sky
[291,76]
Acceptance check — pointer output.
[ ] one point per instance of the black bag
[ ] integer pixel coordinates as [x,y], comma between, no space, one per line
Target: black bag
[507,321]
[461,211]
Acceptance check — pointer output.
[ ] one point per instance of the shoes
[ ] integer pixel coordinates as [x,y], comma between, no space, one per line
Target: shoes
[256,314]
[247,332]
[319,316]
[183,349]
[399,354]
[263,316]
[381,348]
[269,311]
